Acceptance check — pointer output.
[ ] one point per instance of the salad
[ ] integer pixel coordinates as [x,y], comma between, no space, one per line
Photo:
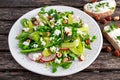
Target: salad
[54,38]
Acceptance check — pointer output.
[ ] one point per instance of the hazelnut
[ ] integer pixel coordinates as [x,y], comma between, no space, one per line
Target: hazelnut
[118,26]
[116,18]
[108,49]
[109,18]
[94,0]
[117,53]
[59,55]
[104,21]
[87,41]
[97,18]
[49,17]
[81,58]
[69,58]
[65,21]
[65,60]
[28,40]
[35,23]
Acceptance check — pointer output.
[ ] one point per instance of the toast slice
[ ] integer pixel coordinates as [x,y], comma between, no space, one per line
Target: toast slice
[102,8]
[112,34]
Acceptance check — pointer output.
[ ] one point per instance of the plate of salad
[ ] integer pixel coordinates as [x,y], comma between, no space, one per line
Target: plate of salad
[55,40]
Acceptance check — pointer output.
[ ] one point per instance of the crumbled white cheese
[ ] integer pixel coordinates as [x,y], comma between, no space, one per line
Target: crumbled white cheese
[35,28]
[64,17]
[35,45]
[41,24]
[85,25]
[37,17]
[53,48]
[26,43]
[42,41]
[52,14]
[79,31]
[45,15]
[69,30]
[58,22]
[58,61]
[76,18]
[57,32]
[36,56]
[26,29]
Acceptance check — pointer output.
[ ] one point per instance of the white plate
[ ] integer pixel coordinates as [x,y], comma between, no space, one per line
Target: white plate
[90,55]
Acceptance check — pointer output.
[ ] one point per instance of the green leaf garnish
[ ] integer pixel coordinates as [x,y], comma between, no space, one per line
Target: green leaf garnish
[118,37]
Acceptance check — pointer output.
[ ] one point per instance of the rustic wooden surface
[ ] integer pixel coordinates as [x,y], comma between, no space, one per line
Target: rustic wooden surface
[105,67]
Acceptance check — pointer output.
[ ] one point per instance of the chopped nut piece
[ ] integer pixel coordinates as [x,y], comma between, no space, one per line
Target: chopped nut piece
[35,23]
[87,41]
[104,21]
[109,18]
[65,60]
[81,58]
[108,49]
[117,53]
[69,58]
[97,18]
[49,17]
[116,18]
[65,21]
[28,40]
[59,55]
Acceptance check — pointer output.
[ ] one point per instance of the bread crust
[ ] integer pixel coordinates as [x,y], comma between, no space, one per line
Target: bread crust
[111,40]
[102,14]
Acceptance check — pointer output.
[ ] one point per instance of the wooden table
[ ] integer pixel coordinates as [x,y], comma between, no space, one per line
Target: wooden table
[105,67]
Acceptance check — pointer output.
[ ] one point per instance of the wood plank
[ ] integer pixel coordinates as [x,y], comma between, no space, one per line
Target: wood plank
[77,76]
[5,26]
[105,61]
[4,42]
[38,3]
[15,13]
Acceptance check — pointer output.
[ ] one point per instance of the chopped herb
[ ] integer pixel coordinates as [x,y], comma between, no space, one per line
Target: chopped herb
[93,38]
[113,26]
[118,37]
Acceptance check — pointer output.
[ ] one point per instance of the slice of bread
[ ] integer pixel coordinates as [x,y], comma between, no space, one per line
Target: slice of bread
[112,36]
[102,8]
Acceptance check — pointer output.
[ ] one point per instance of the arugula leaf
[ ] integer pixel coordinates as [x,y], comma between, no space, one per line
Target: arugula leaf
[54,67]
[113,26]
[65,65]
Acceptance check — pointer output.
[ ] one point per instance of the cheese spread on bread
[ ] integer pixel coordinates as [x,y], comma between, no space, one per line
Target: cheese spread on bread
[101,6]
[114,34]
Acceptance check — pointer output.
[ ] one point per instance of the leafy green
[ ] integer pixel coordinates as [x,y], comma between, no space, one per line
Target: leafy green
[65,65]
[93,38]
[23,36]
[113,26]
[34,36]
[54,67]
[118,37]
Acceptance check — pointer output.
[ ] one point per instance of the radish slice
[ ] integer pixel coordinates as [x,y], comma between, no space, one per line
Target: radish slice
[49,58]
[35,56]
